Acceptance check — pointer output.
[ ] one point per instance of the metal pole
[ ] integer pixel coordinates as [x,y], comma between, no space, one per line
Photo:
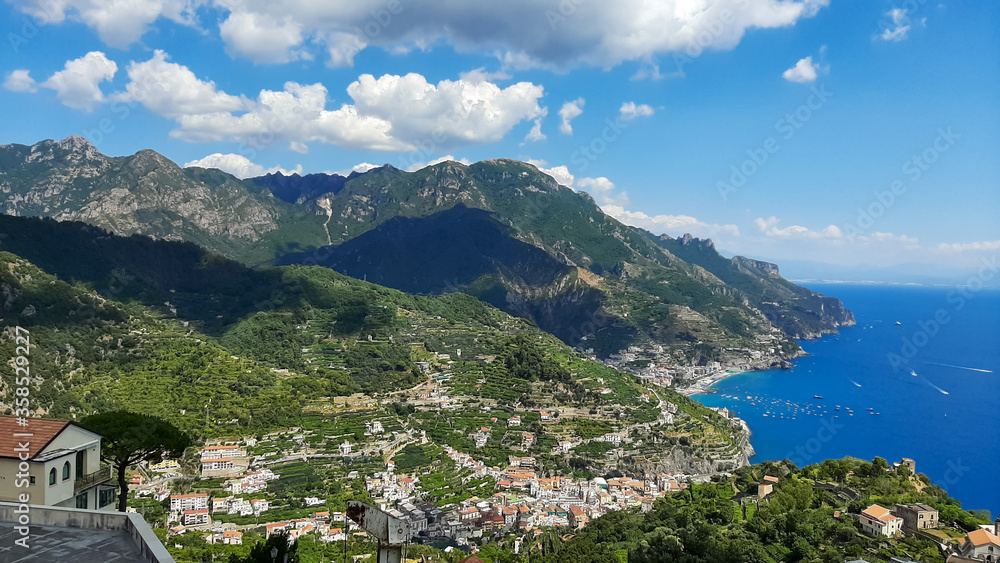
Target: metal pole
[347,527]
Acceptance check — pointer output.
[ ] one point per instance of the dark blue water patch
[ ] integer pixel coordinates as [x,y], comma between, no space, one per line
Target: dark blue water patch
[927,388]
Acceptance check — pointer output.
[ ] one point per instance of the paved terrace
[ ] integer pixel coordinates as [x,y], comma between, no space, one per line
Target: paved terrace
[85,536]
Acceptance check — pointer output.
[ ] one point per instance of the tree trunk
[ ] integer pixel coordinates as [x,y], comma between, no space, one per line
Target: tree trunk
[122,488]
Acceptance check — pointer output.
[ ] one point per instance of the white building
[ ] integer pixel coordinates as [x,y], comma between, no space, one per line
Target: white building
[879,521]
[63,464]
[180,503]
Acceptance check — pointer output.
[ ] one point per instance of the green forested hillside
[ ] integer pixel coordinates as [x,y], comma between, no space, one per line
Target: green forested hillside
[804,519]
[172,330]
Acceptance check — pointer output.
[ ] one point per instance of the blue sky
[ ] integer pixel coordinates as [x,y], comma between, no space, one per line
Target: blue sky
[782,130]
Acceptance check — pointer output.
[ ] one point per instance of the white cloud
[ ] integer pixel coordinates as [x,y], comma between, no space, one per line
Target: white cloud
[603,191]
[527,32]
[445,158]
[19,81]
[898,27]
[560,173]
[482,75]
[962,247]
[630,111]
[674,225]
[77,85]
[804,71]
[260,38]
[391,113]
[298,147]
[359,168]
[770,228]
[119,23]
[535,134]
[569,112]
[172,90]
[238,165]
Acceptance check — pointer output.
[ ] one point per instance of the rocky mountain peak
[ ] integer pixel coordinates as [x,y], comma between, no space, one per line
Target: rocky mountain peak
[687,239]
[750,264]
[75,143]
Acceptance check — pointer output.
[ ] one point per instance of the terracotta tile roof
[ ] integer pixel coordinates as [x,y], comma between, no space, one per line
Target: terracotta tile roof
[876,512]
[983,537]
[43,431]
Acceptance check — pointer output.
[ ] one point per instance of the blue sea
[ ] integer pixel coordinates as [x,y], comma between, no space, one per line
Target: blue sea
[927,388]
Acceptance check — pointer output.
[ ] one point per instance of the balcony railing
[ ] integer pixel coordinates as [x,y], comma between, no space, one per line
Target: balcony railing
[102,475]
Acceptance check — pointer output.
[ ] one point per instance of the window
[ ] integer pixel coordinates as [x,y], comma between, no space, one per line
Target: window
[32,478]
[80,464]
[66,471]
[106,497]
[52,476]
[81,500]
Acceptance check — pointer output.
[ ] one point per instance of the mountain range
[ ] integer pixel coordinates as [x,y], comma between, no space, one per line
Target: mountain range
[500,230]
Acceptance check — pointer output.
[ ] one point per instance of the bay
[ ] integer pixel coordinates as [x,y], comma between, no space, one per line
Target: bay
[927,388]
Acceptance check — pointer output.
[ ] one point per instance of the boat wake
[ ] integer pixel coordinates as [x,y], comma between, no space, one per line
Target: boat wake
[940,390]
[856,384]
[961,367]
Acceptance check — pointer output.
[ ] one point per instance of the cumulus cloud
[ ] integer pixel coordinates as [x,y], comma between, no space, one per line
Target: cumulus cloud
[172,90]
[238,165]
[390,113]
[630,111]
[523,33]
[119,23]
[260,38]
[897,26]
[535,134]
[570,111]
[603,191]
[77,85]
[19,81]
[804,71]
[560,173]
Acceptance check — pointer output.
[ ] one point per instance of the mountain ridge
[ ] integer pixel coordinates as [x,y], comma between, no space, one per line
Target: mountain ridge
[609,287]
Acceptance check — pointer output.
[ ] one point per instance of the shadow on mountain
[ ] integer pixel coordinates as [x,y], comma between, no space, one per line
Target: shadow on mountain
[170,276]
[468,250]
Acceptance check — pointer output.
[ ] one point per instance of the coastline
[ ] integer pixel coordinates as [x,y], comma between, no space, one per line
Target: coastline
[703,385]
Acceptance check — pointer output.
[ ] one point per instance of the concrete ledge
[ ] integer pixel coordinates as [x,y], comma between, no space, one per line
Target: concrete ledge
[147,545]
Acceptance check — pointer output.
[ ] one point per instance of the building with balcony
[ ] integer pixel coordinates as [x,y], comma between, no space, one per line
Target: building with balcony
[64,464]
